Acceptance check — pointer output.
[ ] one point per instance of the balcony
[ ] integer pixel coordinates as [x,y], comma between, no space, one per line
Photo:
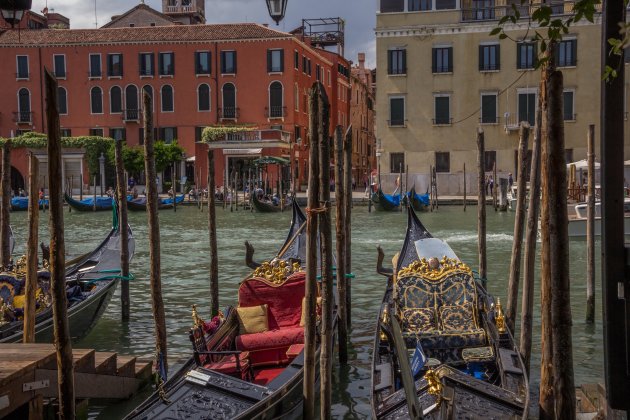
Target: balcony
[475,11]
[131,115]
[276,112]
[183,6]
[23,117]
[228,113]
[253,139]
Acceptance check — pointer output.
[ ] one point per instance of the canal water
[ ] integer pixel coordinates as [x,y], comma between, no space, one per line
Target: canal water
[185,256]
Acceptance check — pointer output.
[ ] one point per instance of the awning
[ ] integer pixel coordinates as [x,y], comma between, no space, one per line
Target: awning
[242,151]
[582,164]
[191,159]
[271,160]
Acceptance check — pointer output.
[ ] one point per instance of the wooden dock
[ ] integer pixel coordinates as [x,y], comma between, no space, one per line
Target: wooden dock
[28,374]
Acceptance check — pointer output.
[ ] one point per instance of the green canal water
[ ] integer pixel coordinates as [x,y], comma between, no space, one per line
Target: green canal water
[185,268]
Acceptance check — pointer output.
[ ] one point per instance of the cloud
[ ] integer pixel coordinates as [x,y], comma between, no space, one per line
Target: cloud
[359,15]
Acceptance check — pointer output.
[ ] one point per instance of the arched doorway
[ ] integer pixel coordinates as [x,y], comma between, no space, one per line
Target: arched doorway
[17,180]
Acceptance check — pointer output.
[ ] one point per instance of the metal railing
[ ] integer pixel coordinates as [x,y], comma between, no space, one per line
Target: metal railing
[276,112]
[23,117]
[470,12]
[131,114]
[228,113]
[258,135]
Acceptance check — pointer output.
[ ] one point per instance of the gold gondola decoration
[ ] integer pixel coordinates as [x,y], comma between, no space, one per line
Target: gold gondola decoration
[276,272]
[434,269]
[500,318]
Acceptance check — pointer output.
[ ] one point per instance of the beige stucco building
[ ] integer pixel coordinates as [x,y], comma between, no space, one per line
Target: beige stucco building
[441,75]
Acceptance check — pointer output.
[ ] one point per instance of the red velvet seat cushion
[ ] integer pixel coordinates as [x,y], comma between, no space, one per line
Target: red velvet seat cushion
[227,364]
[270,347]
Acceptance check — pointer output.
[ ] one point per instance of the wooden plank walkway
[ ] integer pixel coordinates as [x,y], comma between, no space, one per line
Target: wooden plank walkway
[29,372]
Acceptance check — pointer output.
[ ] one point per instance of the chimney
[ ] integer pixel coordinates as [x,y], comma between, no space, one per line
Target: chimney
[362,61]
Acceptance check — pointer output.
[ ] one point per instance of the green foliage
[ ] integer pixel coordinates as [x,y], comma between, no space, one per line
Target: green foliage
[166,154]
[214,133]
[133,158]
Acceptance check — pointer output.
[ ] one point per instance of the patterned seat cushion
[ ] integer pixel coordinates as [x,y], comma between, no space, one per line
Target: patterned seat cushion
[447,347]
[457,318]
[419,319]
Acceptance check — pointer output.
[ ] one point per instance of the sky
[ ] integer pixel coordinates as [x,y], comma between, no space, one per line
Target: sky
[359,15]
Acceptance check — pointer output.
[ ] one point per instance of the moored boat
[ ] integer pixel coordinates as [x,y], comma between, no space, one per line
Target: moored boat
[241,372]
[578,221]
[465,362]
[21,203]
[90,203]
[419,202]
[140,203]
[90,284]
[267,206]
[385,202]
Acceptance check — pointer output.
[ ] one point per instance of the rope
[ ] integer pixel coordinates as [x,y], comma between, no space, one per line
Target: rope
[318,210]
[161,377]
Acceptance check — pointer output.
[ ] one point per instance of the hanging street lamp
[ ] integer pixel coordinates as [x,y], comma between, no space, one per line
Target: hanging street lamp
[13,10]
[277,8]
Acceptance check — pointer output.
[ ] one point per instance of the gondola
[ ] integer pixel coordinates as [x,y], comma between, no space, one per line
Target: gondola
[419,202]
[245,376]
[266,207]
[21,203]
[87,204]
[90,284]
[140,203]
[465,362]
[386,202]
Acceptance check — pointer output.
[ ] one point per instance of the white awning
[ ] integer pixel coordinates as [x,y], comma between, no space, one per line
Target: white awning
[242,151]
[191,159]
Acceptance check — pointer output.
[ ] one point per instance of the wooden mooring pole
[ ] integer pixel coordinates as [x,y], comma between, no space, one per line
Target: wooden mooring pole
[31,249]
[311,258]
[5,216]
[63,344]
[515,264]
[340,207]
[154,236]
[495,186]
[590,228]
[121,202]
[347,177]
[465,200]
[369,187]
[325,239]
[531,238]
[212,236]
[481,207]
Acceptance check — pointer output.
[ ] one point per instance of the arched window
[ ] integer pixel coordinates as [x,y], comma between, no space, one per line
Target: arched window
[24,105]
[275,100]
[62,100]
[167,98]
[296,97]
[131,103]
[96,100]
[203,97]
[229,101]
[148,89]
[115,100]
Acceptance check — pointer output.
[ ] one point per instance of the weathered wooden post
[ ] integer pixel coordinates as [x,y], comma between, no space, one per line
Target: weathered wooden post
[481,207]
[465,200]
[502,202]
[431,187]
[590,228]
[154,236]
[174,187]
[495,186]
[311,256]
[340,207]
[63,345]
[347,177]
[531,238]
[435,185]
[121,202]
[369,187]
[94,203]
[400,186]
[212,233]
[515,264]
[5,216]
[31,249]
[325,240]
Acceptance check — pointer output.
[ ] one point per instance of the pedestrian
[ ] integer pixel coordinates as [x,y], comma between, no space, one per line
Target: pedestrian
[487,184]
[491,182]
[510,180]
[132,183]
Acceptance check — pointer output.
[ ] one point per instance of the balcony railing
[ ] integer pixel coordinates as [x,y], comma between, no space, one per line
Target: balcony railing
[131,115]
[23,117]
[228,113]
[257,136]
[276,112]
[471,12]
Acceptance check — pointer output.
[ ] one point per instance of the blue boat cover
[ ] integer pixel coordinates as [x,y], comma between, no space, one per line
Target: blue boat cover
[423,198]
[180,198]
[22,203]
[393,199]
[100,201]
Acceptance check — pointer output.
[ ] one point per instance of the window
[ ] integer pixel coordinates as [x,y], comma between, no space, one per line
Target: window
[442,59]
[275,61]
[228,62]
[167,64]
[167,98]
[418,5]
[141,134]
[296,97]
[568,105]
[318,70]
[97,132]
[229,101]
[198,134]
[168,134]
[203,97]
[489,108]
[445,4]
[527,107]
[308,67]
[396,111]
[526,55]
[568,156]
[397,61]
[442,110]
[24,106]
[62,101]
[304,64]
[131,103]
[66,132]
[147,64]
[95,65]
[489,57]
[276,109]
[115,100]
[202,63]
[59,62]
[149,90]
[566,53]
[396,163]
[490,159]
[114,65]
[117,134]
[389,6]
[296,60]
[442,162]
[22,67]
[96,100]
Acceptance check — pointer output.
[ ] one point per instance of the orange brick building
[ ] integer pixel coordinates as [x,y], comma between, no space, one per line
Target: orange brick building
[198,75]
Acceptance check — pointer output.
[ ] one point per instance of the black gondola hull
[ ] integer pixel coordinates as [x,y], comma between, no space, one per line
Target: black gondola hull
[262,207]
[79,206]
[381,203]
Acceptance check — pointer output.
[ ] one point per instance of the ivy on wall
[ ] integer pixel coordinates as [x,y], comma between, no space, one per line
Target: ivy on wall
[215,133]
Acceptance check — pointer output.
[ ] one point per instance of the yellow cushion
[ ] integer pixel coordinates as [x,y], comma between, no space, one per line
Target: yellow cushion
[252,319]
[318,310]
[20,300]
